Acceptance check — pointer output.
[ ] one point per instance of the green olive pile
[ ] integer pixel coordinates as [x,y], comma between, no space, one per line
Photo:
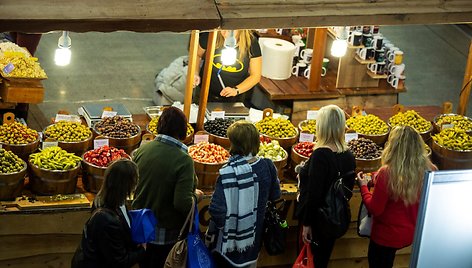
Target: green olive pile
[17,133]
[116,127]
[363,148]
[276,127]
[368,125]
[68,131]
[454,139]
[54,158]
[152,127]
[309,125]
[410,118]
[218,126]
[458,121]
[11,163]
[272,150]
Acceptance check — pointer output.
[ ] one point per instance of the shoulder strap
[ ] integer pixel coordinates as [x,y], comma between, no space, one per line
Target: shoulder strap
[188,220]
[339,177]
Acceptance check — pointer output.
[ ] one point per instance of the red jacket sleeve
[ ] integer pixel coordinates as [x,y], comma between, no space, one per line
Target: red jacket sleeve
[375,202]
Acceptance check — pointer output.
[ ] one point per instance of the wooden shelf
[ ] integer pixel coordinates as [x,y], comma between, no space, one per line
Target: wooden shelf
[361,61]
[376,76]
[355,47]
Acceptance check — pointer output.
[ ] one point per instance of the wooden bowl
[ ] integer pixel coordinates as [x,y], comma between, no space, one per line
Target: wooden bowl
[378,139]
[127,144]
[303,123]
[50,182]
[76,147]
[426,135]
[285,143]
[22,150]
[446,158]
[368,165]
[11,184]
[222,141]
[437,128]
[296,157]
[280,164]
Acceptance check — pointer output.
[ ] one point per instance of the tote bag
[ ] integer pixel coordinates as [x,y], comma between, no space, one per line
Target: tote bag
[143,225]
[305,258]
[198,255]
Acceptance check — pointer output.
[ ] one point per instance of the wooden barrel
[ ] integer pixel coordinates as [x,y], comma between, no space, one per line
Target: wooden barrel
[378,139]
[22,150]
[92,176]
[445,158]
[222,141]
[127,144]
[207,174]
[426,135]
[368,165]
[50,182]
[296,158]
[11,184]
[437,127]
[75,147]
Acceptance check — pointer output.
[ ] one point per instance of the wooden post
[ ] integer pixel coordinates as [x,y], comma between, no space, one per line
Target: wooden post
[210,51]
[319,46]
[466,85]
[192,58]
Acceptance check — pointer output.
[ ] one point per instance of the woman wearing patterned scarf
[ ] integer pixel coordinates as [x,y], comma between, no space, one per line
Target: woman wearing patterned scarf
[238,205]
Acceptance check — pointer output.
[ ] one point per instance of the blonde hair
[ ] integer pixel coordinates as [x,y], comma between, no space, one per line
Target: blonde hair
[243,39]
[330,128]
[406,160]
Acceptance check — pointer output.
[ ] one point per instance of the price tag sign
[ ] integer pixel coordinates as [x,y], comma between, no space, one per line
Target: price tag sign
[100,143]
[217,114]
[67,118]
[364,113]
[109,113]
[40,134]
[47,144]
[446,126]
[8,68]
[306,137]
[200,138]
[1,146]
[312,115]
[351,136]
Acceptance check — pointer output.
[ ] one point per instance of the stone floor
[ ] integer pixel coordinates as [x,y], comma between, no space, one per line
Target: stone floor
[121,66]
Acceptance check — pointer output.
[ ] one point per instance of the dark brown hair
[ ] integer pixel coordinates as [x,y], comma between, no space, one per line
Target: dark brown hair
[120,180]
[173,122]
[244,138]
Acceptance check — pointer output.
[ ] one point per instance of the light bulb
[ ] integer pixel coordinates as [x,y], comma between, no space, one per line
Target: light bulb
[63,53]
[339,48]
[228,56]
[62,56]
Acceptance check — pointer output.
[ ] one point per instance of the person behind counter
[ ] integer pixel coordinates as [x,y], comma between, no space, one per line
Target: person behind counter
[167,183]
[238,205]
[395,200]
[330,156]
[238,79]
[106,238]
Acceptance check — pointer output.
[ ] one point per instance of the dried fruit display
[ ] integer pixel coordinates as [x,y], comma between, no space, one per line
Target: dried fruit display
[18,65]
[205,152]
[363,148]
[304,148]
[104,155]
[116,127]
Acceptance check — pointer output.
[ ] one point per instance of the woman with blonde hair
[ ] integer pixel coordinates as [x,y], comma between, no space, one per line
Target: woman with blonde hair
[395,200]
[330,158]
[232,83]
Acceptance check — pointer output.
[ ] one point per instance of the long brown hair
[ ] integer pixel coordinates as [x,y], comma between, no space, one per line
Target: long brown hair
[120,180]
[243,40]
[406,160]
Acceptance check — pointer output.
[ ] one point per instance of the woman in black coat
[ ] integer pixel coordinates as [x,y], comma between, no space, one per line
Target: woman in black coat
[106,238]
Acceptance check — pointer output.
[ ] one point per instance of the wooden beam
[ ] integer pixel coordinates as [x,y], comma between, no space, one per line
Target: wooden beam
[210,52]
[192,59]
[319,45]
[256,14]
[108,16]
[466,85]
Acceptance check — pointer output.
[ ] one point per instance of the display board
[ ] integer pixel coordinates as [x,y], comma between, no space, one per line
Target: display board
[443,236]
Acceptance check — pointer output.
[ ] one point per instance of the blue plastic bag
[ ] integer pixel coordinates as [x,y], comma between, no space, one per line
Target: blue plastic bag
[143,225]
[198,254]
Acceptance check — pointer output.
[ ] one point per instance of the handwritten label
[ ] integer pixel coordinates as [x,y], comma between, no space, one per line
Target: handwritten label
[40,134]
[8,68]
[100,143]
[351,136]
[67,118]
[217,114]
[306,137]
[446,126]
[109,113]
[312,115]
[200,138]
[47,144]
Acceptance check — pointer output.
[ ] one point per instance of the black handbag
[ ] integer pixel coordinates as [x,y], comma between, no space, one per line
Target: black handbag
[275,228]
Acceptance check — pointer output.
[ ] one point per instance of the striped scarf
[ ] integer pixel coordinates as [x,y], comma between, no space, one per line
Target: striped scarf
[241,194]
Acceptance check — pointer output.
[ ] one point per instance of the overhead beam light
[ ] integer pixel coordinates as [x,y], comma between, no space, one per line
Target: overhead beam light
[63,53]
[228,54]
[339,46]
